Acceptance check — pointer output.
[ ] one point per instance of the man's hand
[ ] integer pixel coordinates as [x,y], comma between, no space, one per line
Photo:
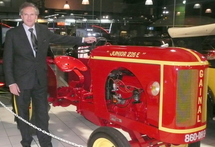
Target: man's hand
[14,89]
[89,39]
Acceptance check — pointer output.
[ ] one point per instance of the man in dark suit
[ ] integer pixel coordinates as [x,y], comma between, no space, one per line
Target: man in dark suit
[25,69]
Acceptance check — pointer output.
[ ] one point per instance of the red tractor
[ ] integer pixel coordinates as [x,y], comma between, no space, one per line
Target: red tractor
[157,95]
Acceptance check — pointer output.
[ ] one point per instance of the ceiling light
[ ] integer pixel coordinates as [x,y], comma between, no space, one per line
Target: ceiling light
[184,2]
[208,10]
[197,6]
[85,2]
[178,13]
[1,3]
[149,2]
[66,5]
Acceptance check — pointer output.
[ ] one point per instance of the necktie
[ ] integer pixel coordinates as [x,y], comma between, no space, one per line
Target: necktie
[33,39]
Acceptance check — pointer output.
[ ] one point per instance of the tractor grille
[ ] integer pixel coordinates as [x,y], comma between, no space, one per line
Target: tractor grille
[187,97]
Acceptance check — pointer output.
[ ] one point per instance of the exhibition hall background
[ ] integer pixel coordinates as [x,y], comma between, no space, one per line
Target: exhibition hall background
[121,18]
[120,8]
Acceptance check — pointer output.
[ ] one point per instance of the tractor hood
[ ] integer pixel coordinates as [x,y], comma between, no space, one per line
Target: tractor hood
[135,53]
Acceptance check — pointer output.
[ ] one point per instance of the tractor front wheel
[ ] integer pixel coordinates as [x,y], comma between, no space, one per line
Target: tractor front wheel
[196,144]
[107,137]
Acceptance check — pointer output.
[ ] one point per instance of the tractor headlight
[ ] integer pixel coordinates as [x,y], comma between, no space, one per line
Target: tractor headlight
[153,88]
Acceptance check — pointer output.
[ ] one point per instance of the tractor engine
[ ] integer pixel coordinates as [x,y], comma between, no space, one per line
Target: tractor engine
[123,93]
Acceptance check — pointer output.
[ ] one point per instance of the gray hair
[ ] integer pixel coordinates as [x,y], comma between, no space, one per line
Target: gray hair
[27,4]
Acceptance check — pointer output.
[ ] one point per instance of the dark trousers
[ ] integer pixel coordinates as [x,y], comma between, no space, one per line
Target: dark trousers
[38,95]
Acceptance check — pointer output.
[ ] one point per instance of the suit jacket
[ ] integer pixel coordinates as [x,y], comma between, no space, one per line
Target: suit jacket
[20,65]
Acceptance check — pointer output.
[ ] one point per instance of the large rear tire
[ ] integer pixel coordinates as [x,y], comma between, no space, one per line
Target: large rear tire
[107,137]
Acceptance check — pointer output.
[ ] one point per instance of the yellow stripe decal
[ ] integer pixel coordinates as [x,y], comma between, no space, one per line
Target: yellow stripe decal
[182,131]
[192,52]
[161,98]
[159,62]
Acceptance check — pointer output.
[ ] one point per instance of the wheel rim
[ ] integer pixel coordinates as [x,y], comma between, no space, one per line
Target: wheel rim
[102,142]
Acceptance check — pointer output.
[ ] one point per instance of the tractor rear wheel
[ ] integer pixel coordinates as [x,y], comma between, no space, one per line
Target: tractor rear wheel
[107,137]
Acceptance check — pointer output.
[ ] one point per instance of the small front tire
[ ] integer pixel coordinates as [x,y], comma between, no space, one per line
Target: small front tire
[196,144]
[107,137]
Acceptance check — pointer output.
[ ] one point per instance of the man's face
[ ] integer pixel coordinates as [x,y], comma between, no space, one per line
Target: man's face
[29,16]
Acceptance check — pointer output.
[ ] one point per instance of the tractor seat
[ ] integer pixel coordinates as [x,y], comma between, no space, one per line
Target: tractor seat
[67,63]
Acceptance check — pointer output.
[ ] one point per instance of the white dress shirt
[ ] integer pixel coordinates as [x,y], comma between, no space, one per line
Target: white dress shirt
[28,33]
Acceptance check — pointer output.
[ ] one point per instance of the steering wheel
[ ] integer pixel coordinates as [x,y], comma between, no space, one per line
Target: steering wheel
[87,49]
[100,42]
[77,50]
